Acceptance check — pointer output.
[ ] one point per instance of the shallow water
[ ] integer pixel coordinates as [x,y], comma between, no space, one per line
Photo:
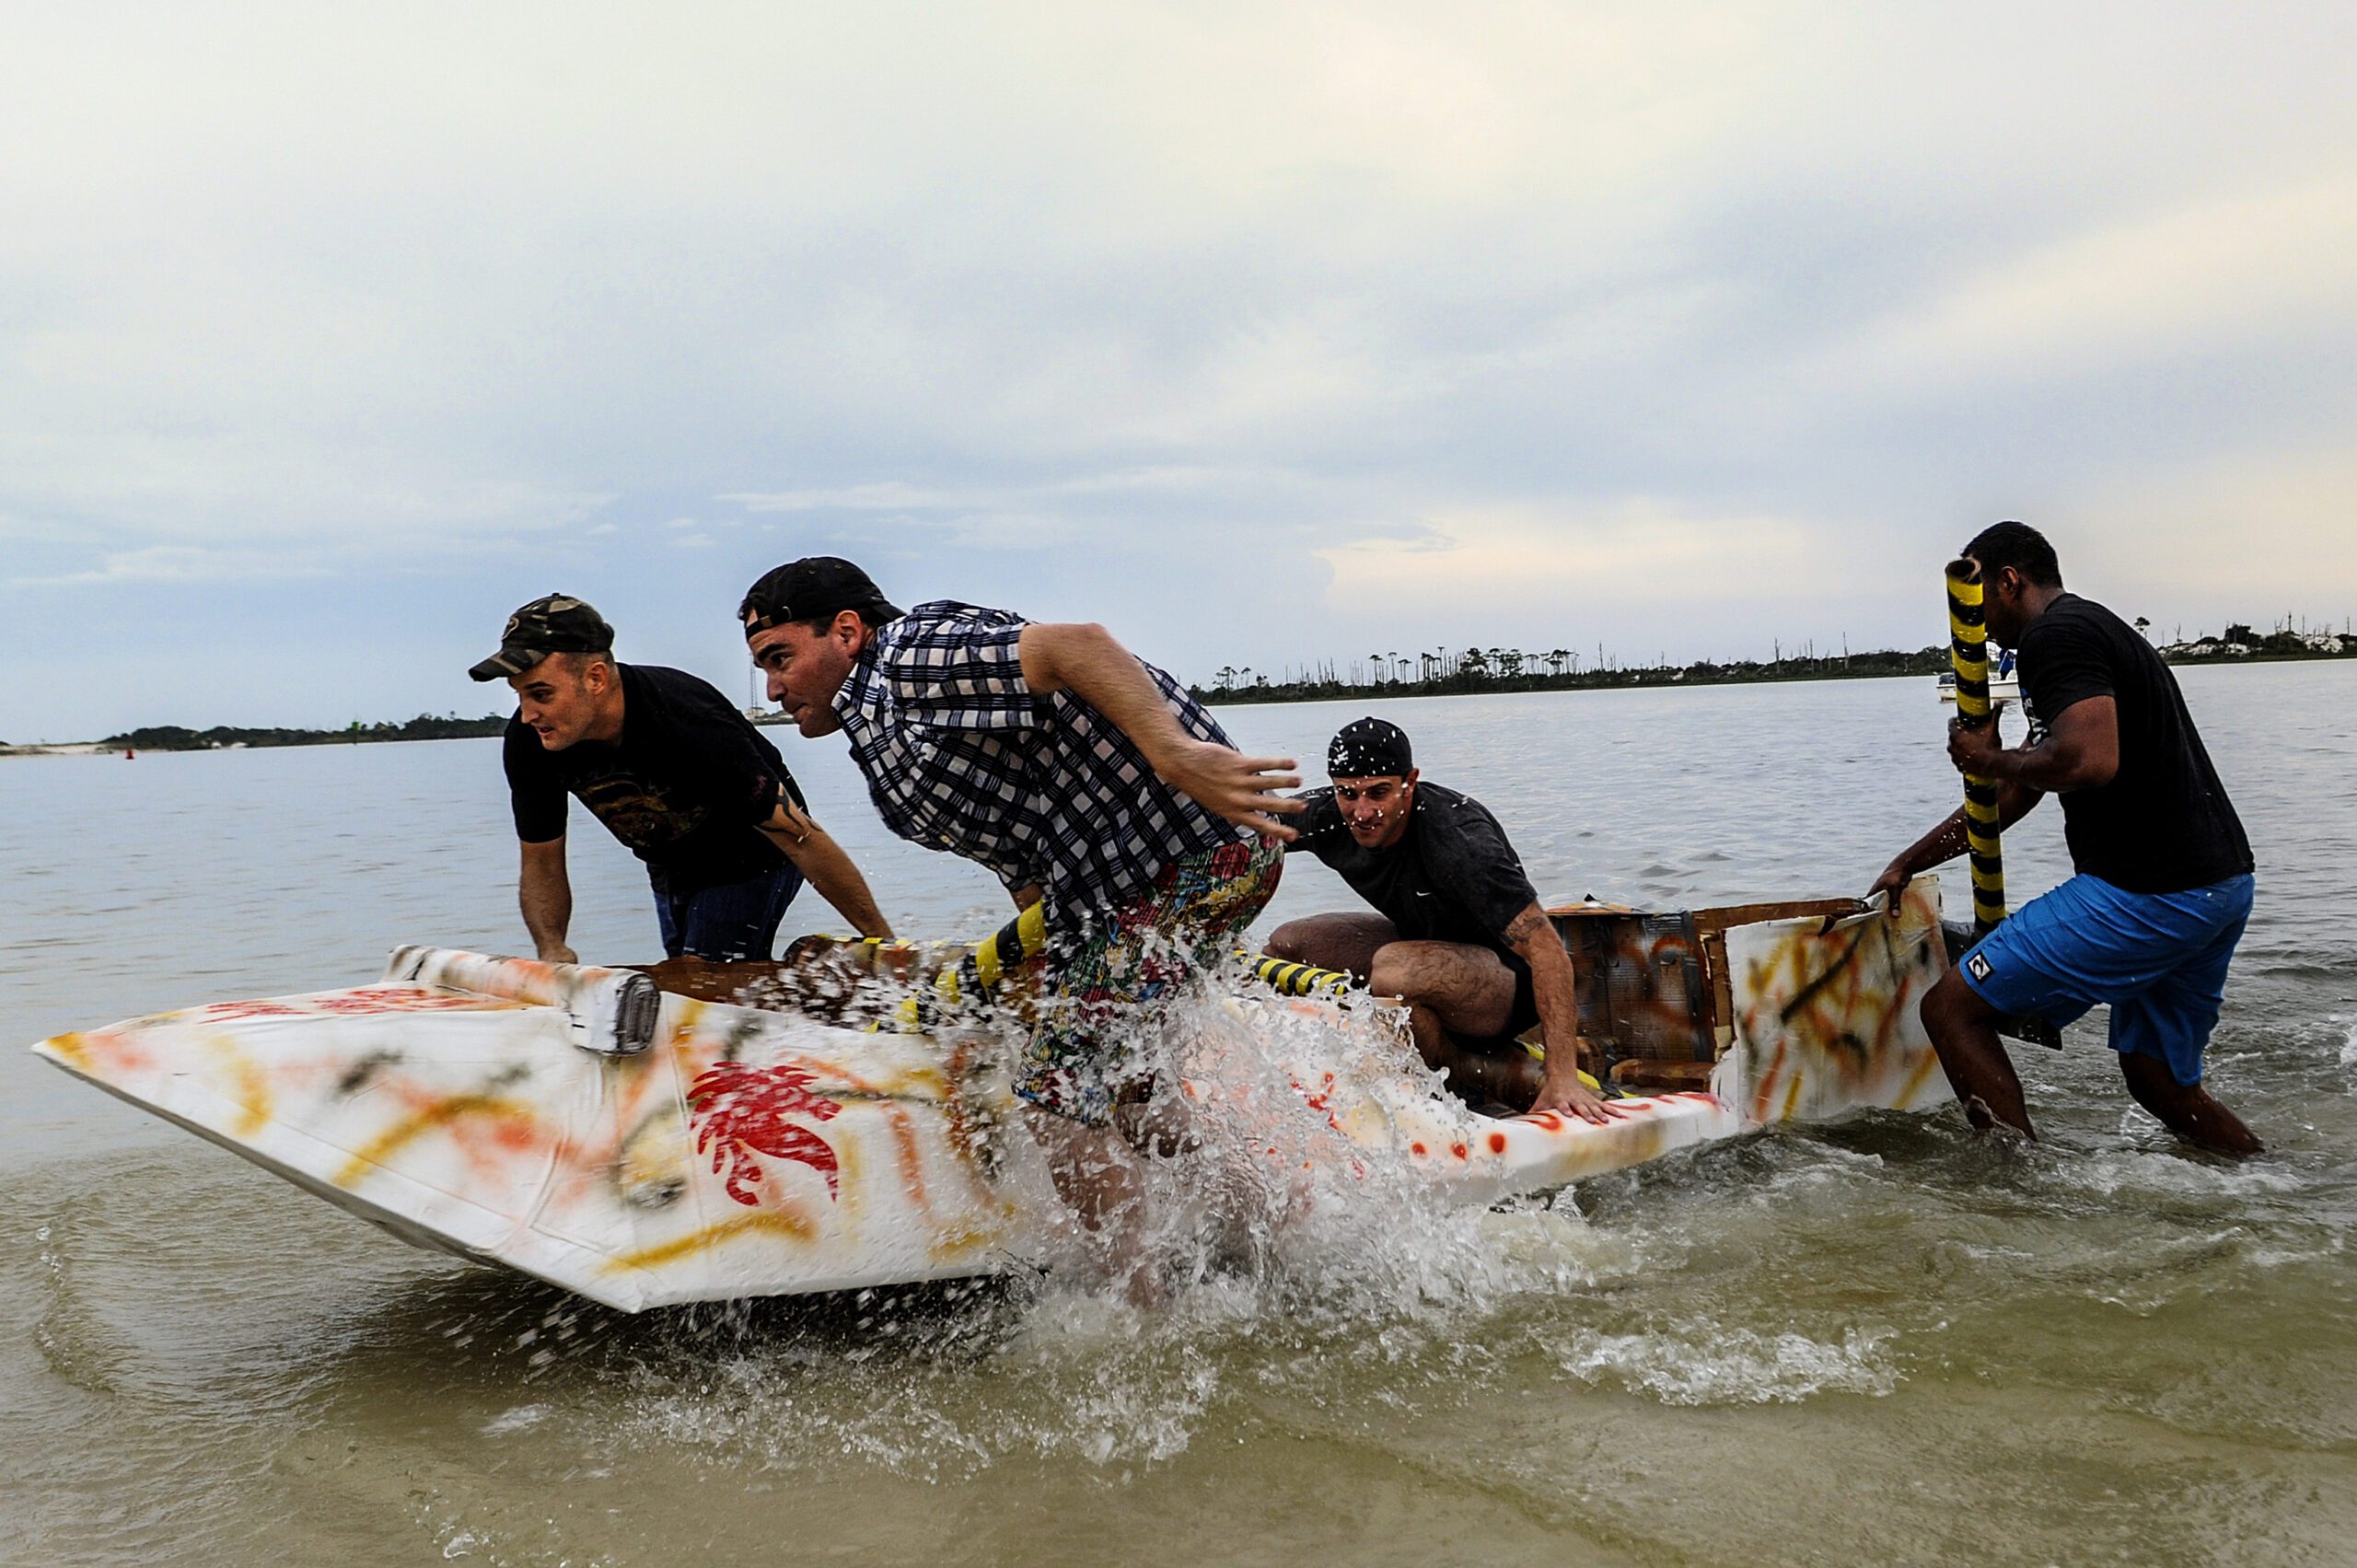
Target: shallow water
[1884,1341]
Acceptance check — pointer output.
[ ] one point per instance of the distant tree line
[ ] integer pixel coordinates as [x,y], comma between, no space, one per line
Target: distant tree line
[2286,639]
[425,726]
[1444,672]
[1436,672]
[1441,672]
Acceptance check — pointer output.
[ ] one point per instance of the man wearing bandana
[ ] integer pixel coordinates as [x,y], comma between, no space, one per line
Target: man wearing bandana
[1457,933]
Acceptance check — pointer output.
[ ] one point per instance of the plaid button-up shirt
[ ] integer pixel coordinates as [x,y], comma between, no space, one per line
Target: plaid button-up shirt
[960,755]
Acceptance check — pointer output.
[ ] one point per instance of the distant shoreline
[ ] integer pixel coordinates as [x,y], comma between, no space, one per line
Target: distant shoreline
[228,737]
[1888,665]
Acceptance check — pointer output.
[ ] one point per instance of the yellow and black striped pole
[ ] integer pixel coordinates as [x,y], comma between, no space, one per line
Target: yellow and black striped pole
[1296,979]
[976,976]
[1011,947]
[1968,650]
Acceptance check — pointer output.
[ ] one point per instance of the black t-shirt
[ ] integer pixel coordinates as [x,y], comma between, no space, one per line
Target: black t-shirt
[2164,823]
[683,787]
[1451,877]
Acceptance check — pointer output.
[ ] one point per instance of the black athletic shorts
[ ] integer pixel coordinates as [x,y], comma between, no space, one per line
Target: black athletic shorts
[1525,1014]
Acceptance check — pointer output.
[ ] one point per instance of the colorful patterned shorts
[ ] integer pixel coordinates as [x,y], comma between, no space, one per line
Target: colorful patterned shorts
[1088,1052]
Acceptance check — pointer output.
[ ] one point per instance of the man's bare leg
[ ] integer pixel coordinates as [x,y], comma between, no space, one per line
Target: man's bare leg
[2186,1110]
[1448,987]
[1453,988]
[1344,942]
[1964,1032]
[1510,1078]
[1099,1181]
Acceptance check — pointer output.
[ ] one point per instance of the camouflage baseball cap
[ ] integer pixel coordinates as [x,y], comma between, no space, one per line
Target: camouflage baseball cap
[556,623]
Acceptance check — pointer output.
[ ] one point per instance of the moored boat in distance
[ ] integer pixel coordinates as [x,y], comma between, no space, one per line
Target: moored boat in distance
[703,1131]
[2004,688]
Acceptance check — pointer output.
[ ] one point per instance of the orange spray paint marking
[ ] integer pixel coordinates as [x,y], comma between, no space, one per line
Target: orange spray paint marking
[440,1114]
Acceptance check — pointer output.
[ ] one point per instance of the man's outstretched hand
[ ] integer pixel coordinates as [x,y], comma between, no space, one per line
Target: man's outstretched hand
[1891,884]
[1243,790]
[1572,1099]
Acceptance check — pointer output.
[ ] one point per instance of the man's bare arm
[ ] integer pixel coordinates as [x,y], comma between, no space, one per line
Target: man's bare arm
[827,867]
[1554,984]
[1946,842]
[2016,800]
[545,894]
[2081,750]
[1087,661]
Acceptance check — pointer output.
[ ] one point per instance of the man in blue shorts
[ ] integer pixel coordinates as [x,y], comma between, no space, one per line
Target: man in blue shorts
[2163,883]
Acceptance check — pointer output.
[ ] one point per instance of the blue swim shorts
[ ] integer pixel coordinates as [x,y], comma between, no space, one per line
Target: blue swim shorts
[2159,959]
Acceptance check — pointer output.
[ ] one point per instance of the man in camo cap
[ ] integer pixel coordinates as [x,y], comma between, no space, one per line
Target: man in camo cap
[676,772]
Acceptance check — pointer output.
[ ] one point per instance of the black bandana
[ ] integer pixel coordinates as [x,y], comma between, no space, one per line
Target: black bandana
[1370,748]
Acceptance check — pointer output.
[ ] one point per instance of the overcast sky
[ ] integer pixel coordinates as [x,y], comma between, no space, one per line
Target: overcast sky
[1261,333]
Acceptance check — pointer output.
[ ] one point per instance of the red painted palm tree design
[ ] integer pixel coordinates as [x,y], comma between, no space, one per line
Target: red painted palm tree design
[740,1112]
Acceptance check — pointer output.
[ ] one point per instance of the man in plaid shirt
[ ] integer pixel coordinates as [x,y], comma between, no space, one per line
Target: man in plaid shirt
[1076,773]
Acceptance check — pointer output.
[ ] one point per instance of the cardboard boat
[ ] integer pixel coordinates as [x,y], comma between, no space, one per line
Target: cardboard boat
[613,1134]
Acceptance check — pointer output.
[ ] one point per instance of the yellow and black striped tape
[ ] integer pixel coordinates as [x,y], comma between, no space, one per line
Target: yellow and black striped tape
[1968,653]
[1296,979]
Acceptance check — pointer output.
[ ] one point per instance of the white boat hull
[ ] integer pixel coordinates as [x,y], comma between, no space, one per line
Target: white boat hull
[752,1153]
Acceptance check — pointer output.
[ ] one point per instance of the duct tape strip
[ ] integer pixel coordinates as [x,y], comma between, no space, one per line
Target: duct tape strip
[611,1011]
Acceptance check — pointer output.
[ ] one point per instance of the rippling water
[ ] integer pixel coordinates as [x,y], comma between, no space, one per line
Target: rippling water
[1883,1341]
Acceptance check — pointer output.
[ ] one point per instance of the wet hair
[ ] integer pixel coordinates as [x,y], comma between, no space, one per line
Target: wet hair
[2017,545]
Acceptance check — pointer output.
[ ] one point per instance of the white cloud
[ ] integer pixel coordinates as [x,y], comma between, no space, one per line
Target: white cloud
[1516,557]
[178,563]
[2192,281]
[890,496]
[1589,311]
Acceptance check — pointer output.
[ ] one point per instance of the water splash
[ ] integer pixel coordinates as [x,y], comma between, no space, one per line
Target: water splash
[1696,1363]
[1286,1246]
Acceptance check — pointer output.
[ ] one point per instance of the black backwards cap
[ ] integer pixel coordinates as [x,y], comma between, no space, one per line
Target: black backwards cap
[1370,748]
[555,623]
[810,587]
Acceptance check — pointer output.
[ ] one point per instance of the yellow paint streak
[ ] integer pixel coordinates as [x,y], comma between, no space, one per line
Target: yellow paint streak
[772,1221]
[1916,1080]
[252,1094]
[441,1114]
[953,1242]
[68,1049]
[850,1145]
[685,1026]
[1792,1098]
